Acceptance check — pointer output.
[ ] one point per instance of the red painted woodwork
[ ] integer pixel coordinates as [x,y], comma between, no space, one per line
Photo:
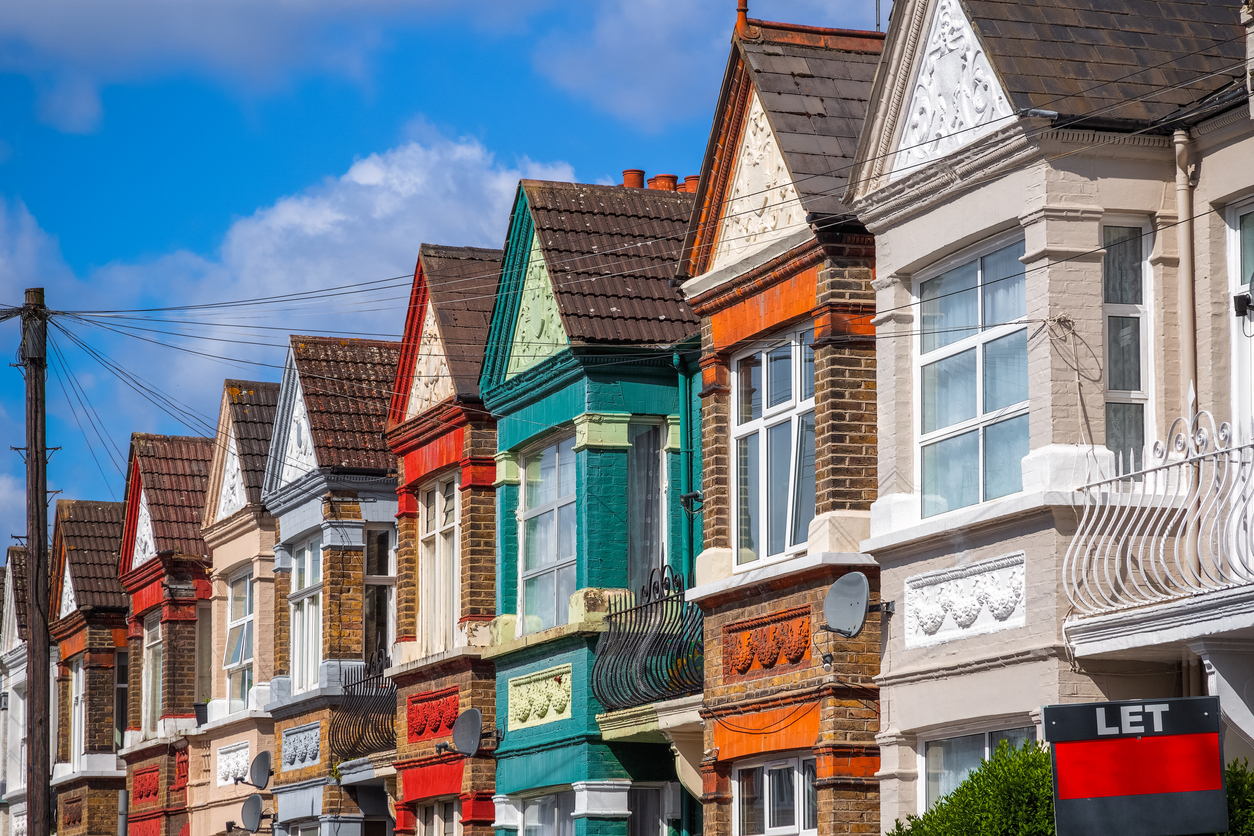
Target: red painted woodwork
[433,779]
[431,715]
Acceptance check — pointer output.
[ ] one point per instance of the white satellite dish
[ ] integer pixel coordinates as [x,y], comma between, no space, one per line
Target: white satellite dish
[250,815]
[845,605]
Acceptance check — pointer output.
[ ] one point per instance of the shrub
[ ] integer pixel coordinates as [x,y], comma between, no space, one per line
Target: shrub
[1240,798]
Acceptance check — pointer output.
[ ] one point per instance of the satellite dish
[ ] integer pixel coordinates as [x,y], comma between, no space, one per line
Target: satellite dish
[250,815]
[259,773]
[467,731]
[845,605]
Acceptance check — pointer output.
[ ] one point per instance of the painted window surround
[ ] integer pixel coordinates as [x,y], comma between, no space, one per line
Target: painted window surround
[985,727]
[1144,313]
[1238,212]
[439,564]
[591,799]
[796,763]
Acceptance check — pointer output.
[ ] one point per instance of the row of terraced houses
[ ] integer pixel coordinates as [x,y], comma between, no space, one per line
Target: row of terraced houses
[963,308]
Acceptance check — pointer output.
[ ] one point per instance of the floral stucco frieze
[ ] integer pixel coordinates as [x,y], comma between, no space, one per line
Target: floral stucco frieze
[232,763]
[758,646]
[539,698]
[431,714]
[301,746]
[981,597]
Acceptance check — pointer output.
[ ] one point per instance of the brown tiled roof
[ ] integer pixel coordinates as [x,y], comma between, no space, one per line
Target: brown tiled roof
[347,386]
[252,406]
[815,86]
[611,252]
[16,563]
[1045,50]
[91,534]
[462,285]
[175,473]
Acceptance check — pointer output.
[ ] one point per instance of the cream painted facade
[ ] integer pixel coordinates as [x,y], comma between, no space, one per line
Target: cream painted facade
[984,632]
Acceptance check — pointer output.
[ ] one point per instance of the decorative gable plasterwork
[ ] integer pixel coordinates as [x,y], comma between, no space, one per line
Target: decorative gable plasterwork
[539,698]
[762,203]
[68,603]
[232,763]
[982,597]
[232,497]
[299,457]
[145,543]
[432,382]
[538,332]
[956,98]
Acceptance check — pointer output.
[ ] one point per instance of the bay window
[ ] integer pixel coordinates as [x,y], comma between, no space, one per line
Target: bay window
[972,370]
[547,530]
[1126,320]
[646,502]
[438,574]
[305,605]
[1241,281]
[238,662]
[773,440]
[777,797]
[549,815]
[151,701]
[948,762]
[380,582]
[438,818]
[121,677]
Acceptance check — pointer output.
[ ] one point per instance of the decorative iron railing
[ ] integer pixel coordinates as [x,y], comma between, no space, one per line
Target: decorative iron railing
[652,650]
[1178,527]
[365,721]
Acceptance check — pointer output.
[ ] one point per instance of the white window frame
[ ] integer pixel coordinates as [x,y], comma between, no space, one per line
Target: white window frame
[78,715]
[981,338]
[387,582]
[249,620]
[438,808]
[524,513]
[1242,350]
[205,668]
[439,564]
[1145,313]
[792,410]
[985,727]
[551,792]
[796,761]
[16,755]
[305,608]
[121,694]
[150,719]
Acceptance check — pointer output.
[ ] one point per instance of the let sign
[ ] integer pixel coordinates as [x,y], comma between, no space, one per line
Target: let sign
[1138,768]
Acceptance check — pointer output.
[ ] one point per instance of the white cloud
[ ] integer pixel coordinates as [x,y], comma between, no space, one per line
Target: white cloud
[12,510]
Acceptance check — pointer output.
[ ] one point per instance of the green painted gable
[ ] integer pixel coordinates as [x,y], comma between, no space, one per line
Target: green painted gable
[538,332]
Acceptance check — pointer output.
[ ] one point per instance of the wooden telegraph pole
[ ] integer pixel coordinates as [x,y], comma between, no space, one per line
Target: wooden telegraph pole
[38,673]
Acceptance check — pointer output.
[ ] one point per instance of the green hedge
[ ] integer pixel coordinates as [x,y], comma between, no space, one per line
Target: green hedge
[1011,794]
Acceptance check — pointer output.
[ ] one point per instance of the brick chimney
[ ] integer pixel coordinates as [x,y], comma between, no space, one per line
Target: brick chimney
[633,178]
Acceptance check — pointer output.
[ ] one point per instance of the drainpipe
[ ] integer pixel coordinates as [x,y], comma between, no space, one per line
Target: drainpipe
[123,811]
[1184,244]
[685,460]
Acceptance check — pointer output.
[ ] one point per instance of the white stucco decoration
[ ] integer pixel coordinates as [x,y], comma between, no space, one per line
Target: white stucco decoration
[232,496]
[68,602]
[956,98]
[17,827]
[145,543]
[762,204]
[432,382]
[968,600]
[232,763]
[539,698]
[301,746]
[299,457]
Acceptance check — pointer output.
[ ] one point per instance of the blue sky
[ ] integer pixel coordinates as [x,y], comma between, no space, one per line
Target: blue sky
[156,154]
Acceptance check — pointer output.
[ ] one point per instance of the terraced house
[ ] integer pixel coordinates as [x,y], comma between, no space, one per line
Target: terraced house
[584,370]
[444,440]
[13,669]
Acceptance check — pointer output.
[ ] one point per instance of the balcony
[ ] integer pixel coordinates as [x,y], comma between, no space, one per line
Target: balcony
[651,651]
[365,720]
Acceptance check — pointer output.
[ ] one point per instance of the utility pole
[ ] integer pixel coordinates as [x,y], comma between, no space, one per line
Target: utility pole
[38,671]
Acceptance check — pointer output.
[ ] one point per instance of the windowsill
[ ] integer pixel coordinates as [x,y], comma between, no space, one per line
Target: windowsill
[984,514]
[586,627]
[148,743]
[433,659]
[230,720]
[86,774]
[775,571]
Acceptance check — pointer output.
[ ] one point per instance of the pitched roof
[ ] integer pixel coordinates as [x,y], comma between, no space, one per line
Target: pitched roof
[91,534]
[252,406]
[462,285]
[175,473]
[610,253]
[1129,61]
[347,385]
[16,563]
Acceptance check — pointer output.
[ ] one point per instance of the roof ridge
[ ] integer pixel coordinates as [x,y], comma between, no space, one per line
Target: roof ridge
[323,340]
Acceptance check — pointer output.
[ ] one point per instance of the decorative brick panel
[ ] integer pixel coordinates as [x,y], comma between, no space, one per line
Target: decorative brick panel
[431,715]
[769,645]
[146,785]
[182,761]
[73,816]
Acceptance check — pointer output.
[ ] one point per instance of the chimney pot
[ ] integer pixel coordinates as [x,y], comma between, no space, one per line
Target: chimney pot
[667,182]
[690,183]
[633,178]
[653,183]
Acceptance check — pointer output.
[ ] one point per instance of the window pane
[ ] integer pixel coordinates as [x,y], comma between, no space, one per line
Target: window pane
[747,497]
[778,465]
[447,595]
[949,762]
[1125,434]
[234,645]
[377,618]
[1004,287]
[810,796]
[951,474]
[152,699]
[1124,333]
[1005,445]
[779,375]
[541,478]
[204,655]
[783,797]
[247,654]
[239,598]
[1247,247]
[302,564]
[446,814]
[378,561]
[565,589]
[1006,371]
[749,382]
[566,468]
[566,532]
[645,805]
[538,601]
[949,307]
[807,365]
[949,391]
[238,684]
[538,545]
[1121,266]
[644,503]
[803,487]
[1015,738]
[752,802]
[450,503]
[428,504]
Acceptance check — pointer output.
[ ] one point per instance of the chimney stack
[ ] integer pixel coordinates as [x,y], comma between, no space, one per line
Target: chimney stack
[633,178]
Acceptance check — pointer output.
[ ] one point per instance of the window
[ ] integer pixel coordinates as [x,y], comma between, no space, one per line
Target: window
[778,797]
[547,530]
[238,660]
[948,762]
[305,603]
[774,441]
[1241,273]
[16,754]
[438,575]
[440,818]
[380,580]
[152,674]
[121,677]
[1245,245]
[204,654]
[1127,344]
[645,804]
[973,382]
[549,815]
[646,502]
[77,707]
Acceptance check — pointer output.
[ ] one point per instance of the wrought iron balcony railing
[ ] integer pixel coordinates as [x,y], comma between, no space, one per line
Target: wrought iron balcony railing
[652,650]
[1178,527]
[365,721]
